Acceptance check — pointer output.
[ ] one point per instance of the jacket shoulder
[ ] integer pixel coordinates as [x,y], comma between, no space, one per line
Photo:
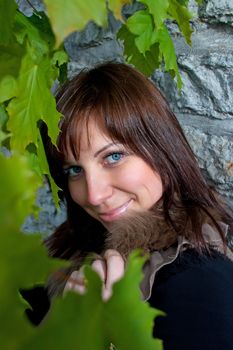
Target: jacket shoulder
[196,293]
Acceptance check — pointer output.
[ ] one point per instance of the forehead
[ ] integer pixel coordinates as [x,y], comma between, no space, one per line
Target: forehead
[92,137]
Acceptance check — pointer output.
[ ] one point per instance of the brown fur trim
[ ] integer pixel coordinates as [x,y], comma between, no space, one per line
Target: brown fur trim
[146,231]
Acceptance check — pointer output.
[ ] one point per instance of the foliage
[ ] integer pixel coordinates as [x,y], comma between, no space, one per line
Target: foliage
[32,59]
[124,320]
[23,260]
[147,41]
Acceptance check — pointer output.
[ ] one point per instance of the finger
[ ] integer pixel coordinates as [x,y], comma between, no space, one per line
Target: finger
[115,271]
[76,282]
[99,266]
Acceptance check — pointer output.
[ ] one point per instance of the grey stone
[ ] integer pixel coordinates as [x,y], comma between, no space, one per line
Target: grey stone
[28,7]
[49,217]
[215,157]
[93,46]
[193,7]
[206,71]
[217,11]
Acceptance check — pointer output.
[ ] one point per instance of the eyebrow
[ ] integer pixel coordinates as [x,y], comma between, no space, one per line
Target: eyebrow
[104,148]
[67,163]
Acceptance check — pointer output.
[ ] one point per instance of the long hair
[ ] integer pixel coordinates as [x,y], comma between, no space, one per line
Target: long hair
[132,111]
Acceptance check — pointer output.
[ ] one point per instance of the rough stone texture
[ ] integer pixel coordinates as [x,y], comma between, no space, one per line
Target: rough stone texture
[206,71]
[94,45]
[214,153]
[49,217]
[27,8]
[217,11]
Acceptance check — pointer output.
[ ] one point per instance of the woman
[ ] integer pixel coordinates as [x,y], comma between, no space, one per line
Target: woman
[130,180]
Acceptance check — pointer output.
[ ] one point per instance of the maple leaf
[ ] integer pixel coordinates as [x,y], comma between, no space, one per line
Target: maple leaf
[33,102]
[74,15]
[23,260]
[89,323]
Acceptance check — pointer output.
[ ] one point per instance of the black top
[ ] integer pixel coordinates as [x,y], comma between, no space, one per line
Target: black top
[196,292]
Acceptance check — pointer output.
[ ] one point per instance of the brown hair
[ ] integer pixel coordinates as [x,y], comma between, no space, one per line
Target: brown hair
[132,111]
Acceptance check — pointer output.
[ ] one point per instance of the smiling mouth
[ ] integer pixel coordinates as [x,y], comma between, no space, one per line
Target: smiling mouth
[115,213]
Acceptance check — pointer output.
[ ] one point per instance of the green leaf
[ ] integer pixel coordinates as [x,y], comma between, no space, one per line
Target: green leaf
[10,59]
[183,2]
[3,116]
[145,63]
[40,21]
[135,328]
[74,15]
[141,24]
[7,14]
[3,120]
[7,88]
[158,9]
[25,29]
[182,15]
[96,323]
[3,136]
[59,58]
[168,53]
[44,167]
[23,260]
[33,102]
[22,184]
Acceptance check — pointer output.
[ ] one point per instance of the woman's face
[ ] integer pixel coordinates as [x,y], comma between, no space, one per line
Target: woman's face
[107,180]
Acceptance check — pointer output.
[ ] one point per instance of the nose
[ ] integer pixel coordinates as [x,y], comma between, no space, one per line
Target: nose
[99,188]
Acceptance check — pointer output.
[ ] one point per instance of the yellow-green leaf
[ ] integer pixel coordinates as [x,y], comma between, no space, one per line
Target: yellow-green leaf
[10,59]
[44,169]
[182,17]
[23,260]
[7,88]
[168,52]
[33,102]
[158,9]
[22,184]
[67,17]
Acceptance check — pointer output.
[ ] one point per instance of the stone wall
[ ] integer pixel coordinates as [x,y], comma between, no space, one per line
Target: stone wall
[204,107]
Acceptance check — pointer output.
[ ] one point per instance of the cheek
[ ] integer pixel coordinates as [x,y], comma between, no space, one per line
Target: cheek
[140,178]
[148,183]
[155,187]
[76,192]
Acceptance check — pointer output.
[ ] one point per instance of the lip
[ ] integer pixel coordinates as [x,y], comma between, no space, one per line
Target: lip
[115,213]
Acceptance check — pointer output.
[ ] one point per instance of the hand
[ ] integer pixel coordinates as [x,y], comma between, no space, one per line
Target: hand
[110,270]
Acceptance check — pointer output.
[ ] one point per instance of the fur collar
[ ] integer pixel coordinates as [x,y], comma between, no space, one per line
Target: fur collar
[151,233]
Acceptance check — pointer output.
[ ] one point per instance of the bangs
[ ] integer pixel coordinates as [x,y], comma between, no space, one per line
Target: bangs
[71,133]
[121,107]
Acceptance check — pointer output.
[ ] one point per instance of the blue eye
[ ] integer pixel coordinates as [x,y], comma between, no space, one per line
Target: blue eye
[72,171]
[114,157]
